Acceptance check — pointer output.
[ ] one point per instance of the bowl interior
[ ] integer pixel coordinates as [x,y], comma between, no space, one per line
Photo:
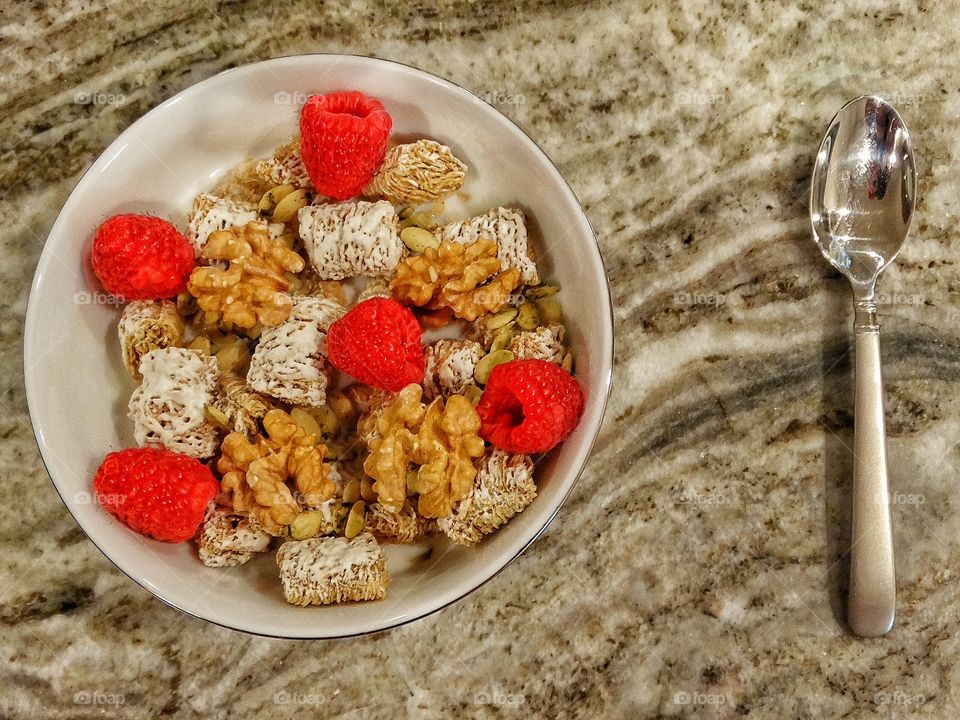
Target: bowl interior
[78,389]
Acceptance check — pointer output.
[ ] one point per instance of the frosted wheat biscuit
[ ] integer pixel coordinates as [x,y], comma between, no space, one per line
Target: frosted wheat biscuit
[416,173]
[167,408]
[450,365]
[226,539]
[285,167]
[241,406]
[346,240]
[289,362]
[147,325]
[327,570]
[378,287]
[503,487]
[508,229]
[402,526]
[544,343]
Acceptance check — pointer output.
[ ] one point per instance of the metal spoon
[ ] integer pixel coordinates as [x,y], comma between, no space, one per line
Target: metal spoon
[862,198]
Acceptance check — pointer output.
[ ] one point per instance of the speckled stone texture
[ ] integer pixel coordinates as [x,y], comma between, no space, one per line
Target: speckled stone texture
[699,568]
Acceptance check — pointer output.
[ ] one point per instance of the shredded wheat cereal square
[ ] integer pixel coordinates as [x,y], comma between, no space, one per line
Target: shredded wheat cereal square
[327,570]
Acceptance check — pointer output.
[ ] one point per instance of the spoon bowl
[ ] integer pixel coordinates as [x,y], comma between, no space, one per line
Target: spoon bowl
[863,189]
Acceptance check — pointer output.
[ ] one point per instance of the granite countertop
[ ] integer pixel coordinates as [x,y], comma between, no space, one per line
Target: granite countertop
[698,570]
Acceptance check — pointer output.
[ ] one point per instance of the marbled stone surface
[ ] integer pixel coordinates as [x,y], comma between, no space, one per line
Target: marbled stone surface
[699,568]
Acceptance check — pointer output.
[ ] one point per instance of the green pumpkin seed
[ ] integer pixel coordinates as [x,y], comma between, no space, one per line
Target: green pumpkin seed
[488,363]
[418,239]
[356,520]
[423,219]
[528,317]
[286,210]
[473,394]
[541,291]
[201,344]
[499,319]
[366,490]
[307,422]
[327,420]
[550,311]
[351,491]
[216,416]
[271,197]
[306,525]
[503,337]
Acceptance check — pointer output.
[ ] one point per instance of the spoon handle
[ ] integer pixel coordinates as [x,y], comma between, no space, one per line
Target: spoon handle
[872,600]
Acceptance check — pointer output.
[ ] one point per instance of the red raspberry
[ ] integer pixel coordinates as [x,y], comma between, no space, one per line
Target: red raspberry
[528,406]
[378,343]
[138,257]
[343,138]
[158,493]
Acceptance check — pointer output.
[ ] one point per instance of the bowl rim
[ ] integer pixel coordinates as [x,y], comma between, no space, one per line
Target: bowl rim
[605,377]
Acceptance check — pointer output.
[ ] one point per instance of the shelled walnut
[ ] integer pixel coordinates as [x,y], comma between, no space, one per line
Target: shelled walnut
[273,478]
[392,440]
[441,439]
[447,443]
[253,288]
[467,279]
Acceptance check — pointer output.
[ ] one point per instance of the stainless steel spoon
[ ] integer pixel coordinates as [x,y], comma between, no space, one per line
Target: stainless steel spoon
[862,198]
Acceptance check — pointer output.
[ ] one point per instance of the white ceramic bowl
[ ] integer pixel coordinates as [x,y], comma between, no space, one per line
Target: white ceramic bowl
[78,390]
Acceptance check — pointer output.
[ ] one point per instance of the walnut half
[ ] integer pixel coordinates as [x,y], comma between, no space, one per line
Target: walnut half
[464,278]
[441,439]
[391,437]
[272,478]
[252,288]
[447,443]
